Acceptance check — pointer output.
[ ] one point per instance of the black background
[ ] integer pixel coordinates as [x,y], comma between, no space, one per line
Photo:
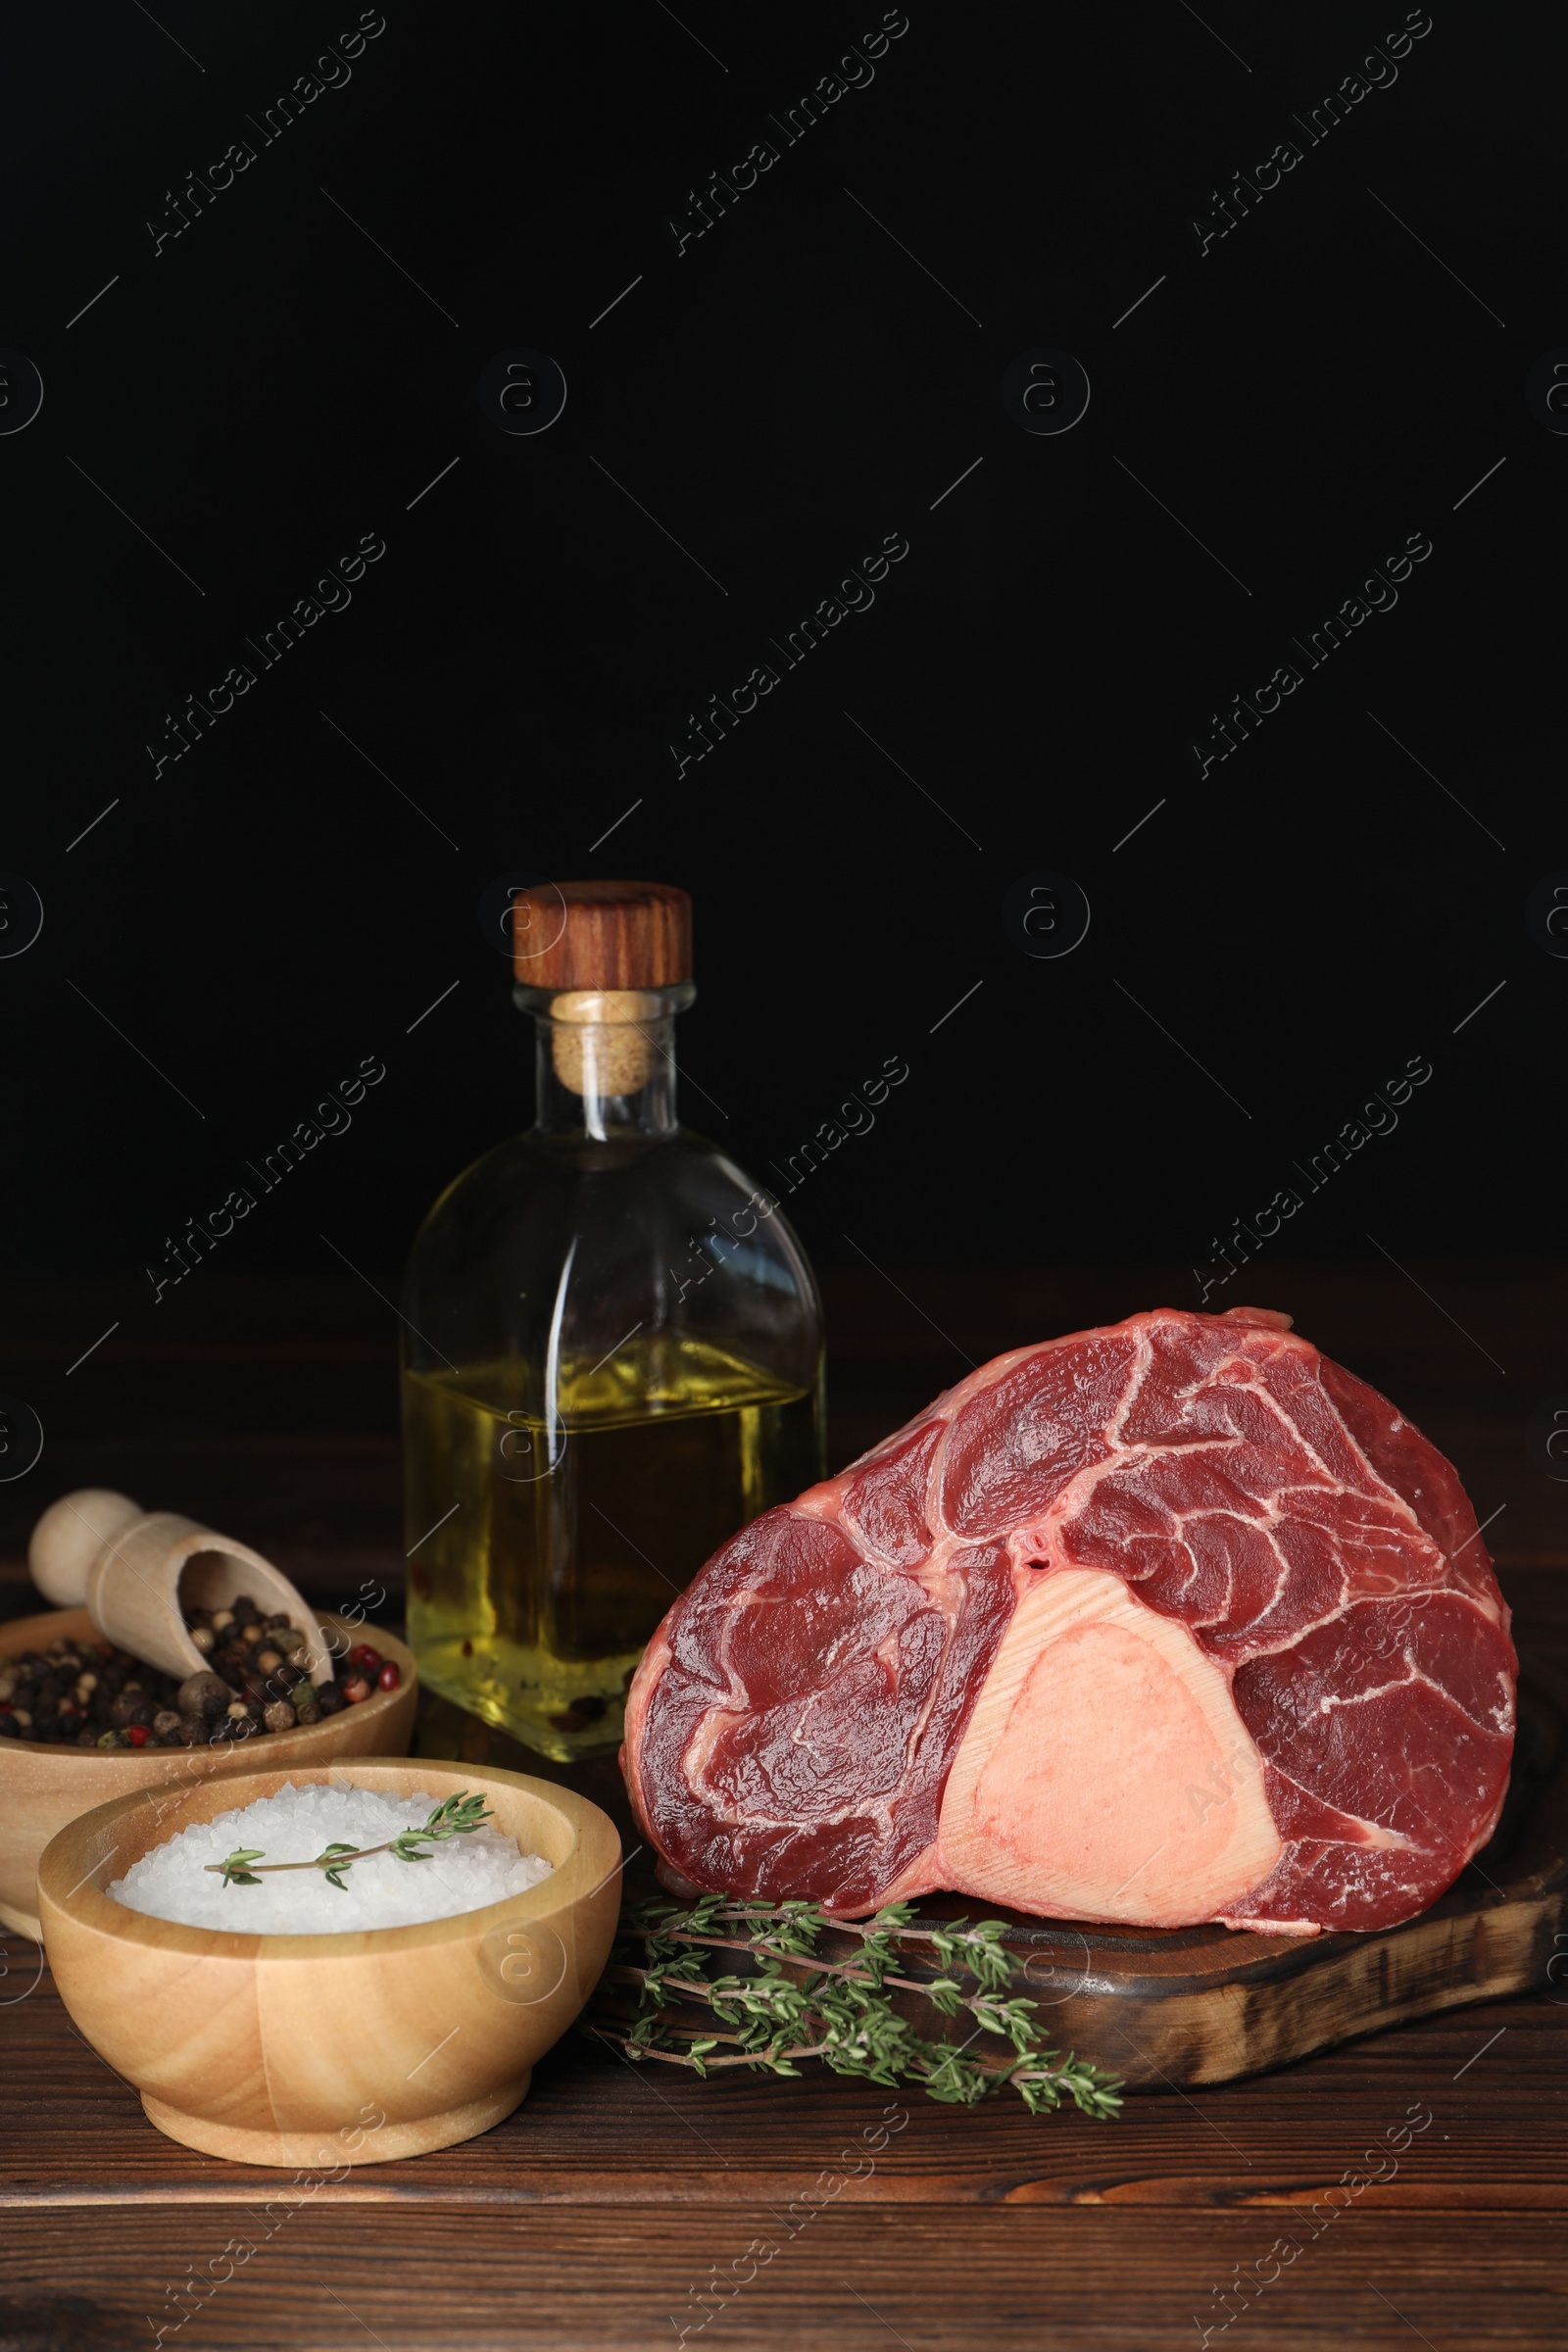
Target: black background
[783,393]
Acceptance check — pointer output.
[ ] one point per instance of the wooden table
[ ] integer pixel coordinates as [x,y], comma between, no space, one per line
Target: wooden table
[596,2216]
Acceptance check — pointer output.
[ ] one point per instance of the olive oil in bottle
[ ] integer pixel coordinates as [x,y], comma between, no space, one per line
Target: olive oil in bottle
[531,1605]
[614,1353]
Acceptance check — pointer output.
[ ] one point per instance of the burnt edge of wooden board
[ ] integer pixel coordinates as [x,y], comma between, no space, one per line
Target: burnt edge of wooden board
[1164,2007]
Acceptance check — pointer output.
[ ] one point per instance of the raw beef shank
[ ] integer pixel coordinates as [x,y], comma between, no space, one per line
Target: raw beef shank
[1167,1622]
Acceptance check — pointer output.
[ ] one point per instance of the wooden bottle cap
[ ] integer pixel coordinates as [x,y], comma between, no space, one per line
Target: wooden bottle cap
[602,935]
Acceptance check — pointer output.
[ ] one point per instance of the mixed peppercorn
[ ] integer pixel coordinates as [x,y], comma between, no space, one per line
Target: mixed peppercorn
[89,1695]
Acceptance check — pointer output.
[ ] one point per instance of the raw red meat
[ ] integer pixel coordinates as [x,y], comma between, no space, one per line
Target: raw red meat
[1167,1622]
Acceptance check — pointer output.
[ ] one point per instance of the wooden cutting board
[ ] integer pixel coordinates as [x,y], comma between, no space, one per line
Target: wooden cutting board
[1169,2007]
[1166,2008]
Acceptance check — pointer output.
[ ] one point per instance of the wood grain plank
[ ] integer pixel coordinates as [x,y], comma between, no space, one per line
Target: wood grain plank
[595,2132]
[328,2280]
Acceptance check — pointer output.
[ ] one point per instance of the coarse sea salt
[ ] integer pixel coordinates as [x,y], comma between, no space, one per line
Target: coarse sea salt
[463,1873]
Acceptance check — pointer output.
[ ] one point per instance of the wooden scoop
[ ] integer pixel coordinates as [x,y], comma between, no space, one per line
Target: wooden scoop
[137,1571]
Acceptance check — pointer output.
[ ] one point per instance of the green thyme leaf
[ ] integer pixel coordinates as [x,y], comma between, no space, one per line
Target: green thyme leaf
[790,2001]
[454,1817]
[234,1870]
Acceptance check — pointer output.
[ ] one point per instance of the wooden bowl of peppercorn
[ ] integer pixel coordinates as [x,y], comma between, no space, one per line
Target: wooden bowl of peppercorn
[45,1783]
[358,2048]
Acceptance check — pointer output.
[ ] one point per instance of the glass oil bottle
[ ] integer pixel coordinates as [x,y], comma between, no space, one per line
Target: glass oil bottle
[613,1345]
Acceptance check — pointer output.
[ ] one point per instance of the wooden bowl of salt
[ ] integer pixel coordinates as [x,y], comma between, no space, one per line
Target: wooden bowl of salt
[327,2050]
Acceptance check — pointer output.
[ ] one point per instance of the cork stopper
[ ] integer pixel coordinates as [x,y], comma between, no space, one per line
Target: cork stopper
[604,948]
[600,1040]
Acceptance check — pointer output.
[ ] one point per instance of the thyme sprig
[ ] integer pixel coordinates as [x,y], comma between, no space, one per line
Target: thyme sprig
[792,2003]
[454,1817]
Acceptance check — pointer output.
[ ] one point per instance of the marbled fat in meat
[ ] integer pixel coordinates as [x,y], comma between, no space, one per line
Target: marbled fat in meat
[838,1706]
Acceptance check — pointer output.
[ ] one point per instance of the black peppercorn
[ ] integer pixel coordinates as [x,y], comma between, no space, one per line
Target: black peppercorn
[90,1695]
[206,1694]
